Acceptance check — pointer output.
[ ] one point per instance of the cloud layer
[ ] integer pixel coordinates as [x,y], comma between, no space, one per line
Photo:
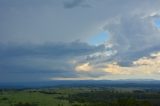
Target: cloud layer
[43,40]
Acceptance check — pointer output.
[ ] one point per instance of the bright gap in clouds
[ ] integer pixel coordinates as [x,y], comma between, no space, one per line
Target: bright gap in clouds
[98,39]
[157,22]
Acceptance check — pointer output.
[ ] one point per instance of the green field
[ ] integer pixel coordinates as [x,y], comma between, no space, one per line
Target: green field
[79,97]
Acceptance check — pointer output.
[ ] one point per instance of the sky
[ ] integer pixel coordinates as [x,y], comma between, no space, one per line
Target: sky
[45,40]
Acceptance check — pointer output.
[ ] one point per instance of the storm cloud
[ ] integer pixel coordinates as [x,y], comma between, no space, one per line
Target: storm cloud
[47,59]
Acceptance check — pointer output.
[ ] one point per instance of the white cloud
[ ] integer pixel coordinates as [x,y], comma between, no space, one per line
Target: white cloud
[84,67]
[145,66]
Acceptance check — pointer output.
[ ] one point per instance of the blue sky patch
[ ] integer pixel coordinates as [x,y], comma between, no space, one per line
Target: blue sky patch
[157,22]
[98,39]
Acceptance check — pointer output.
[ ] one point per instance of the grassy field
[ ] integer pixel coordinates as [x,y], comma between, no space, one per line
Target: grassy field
[79,97]
[41,97]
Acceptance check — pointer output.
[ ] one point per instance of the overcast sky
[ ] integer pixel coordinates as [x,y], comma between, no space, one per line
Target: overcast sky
[43,40]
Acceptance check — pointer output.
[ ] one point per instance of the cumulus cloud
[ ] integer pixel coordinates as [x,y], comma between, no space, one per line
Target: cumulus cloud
[133,36]
[134,40]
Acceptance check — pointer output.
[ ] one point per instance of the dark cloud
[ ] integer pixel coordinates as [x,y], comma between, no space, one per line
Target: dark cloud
[51,59]
[51,50]
[73,3]
[127,58]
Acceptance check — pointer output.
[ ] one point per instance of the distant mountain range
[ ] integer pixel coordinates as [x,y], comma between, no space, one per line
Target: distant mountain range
[81,83]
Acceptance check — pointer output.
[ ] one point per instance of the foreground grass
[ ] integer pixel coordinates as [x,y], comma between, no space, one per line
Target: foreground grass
[78,97]
[13,97]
